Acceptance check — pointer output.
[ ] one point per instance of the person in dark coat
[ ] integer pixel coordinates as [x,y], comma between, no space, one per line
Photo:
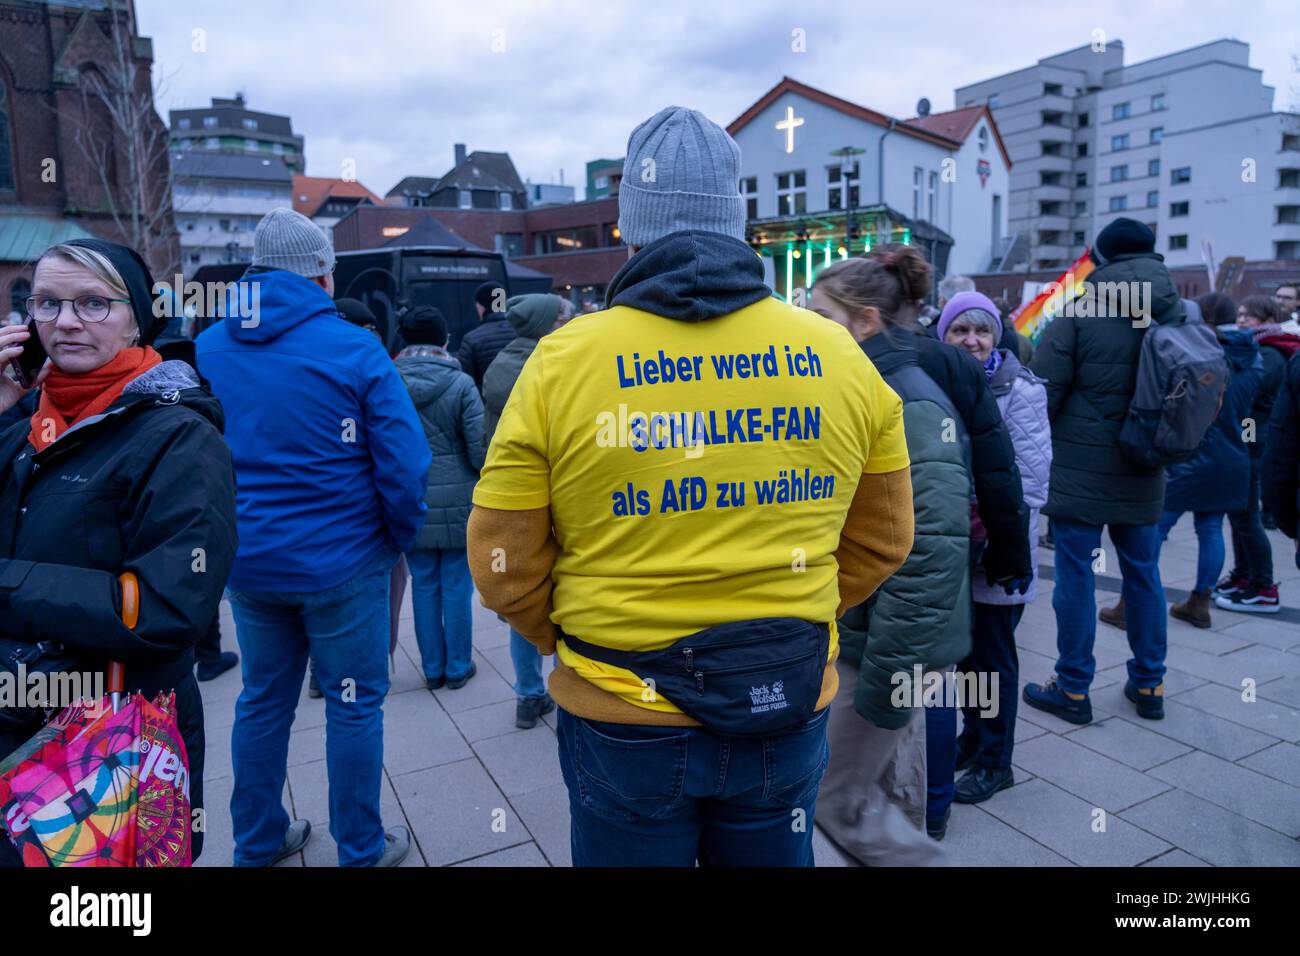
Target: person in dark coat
[451,412]
[480,345]
[1216,480]
[1249,587]
[1280,470]
[1089,357]
[122,468]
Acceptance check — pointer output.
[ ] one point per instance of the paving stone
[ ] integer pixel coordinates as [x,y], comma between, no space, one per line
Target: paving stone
[1127,743]
[1176,681]
[306,745]
[218,835]
[309,790]
[1236,788]
[1213,834]
[1265,716]
[825,853]
[545,812]
[1281,762]
[418,734]
[1043,641]
[486,687]
[521,762]
[1064,823]
[1262,630]
[456,812]
[1203,731]
[322,851]
[1026,730]
[1283,690]
[977,838]
[1175,858]
[526,854]
[490,720]
[1207,640]
[1085,773]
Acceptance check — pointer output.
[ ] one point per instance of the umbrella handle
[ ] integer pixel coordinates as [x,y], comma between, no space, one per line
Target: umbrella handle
[130,616]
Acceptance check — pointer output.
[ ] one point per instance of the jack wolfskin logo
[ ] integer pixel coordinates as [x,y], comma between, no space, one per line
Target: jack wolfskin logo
[77,478]
[767,698]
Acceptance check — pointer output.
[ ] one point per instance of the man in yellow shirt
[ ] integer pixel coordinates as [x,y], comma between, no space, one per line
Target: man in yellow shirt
[683,493]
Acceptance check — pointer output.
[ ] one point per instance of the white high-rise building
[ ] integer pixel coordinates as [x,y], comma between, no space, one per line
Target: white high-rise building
[1188,143]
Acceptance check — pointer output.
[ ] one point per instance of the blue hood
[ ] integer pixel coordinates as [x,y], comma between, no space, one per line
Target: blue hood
[691,276]
[281,299]
[1239,347]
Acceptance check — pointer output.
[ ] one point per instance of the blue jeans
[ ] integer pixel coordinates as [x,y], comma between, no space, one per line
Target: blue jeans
[528,666]
[940,758]
[669,796]
[1074,600]
[441,592]
[1209,544]
[345,631]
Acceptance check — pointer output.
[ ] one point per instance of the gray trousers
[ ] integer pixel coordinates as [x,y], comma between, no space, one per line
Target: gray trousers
[872,799]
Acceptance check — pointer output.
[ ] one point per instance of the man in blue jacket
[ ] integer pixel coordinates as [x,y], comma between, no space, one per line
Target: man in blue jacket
[331,461]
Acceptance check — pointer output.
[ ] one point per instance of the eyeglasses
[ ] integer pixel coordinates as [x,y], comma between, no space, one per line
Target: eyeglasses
[88,308]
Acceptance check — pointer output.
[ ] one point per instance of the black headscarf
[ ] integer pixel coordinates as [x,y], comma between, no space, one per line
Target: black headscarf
[138,280]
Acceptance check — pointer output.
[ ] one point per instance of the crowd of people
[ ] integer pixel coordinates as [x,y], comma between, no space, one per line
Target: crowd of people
[739,597]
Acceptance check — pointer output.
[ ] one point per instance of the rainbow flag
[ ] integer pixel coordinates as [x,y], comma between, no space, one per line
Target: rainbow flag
[1037,314]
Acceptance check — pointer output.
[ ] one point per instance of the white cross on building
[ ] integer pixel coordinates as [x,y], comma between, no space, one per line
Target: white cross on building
[788,124]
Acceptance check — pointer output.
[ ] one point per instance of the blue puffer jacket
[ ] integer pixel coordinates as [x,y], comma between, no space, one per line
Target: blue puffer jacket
[330,458]
[452,415]
[1217,477]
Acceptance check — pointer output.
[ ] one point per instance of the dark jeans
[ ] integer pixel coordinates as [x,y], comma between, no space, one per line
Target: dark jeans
[993,651]
[940,758]
[208,649]
[1252,556]
[672,796]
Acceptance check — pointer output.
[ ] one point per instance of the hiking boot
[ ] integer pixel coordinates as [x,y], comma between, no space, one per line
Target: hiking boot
[397,846]
[938,829]
[460,682]
[529,709]
[967,747]
[1114,616]
[1230,585]
[313,686]
[295,838]
[1195,610]
[981,783]
[1150,700]
[1246,600]
[208,670]
[1049,697]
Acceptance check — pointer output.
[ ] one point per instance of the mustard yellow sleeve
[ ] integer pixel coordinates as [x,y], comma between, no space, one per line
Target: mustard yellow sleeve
[877,535]
[511,554]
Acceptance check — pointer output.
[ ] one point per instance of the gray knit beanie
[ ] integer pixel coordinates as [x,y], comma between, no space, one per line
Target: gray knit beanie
[288,240]
[682,171]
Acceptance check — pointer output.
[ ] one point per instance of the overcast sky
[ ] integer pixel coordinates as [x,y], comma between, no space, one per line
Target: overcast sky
[393,84]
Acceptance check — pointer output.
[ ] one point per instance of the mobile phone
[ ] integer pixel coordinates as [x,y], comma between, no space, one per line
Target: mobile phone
[29,363]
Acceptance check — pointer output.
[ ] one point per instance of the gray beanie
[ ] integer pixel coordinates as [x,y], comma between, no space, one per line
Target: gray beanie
[290,241]
[682,171]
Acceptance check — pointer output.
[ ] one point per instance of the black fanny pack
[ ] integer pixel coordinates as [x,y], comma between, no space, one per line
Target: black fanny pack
[44,657]
[743,679]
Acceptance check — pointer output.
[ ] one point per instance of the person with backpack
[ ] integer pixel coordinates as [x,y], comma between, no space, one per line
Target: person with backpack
[1216,481]
[1089,357]
[682,495]
[1249,587]
[873,802]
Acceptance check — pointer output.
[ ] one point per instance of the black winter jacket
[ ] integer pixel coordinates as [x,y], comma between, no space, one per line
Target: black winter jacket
[998,494]
[480,345]
[1280,473]
[1091,363]
[148,487]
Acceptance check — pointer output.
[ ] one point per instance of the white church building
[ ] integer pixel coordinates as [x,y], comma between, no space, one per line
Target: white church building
[824,178]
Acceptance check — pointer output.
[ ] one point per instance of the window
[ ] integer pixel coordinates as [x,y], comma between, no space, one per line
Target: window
[510,244]
[1157,134]
[1118,174]
[1080,179]
[1080,208]
[248,123]
[1183,174]
[1157,102]
[1288,215]
[932,197]
[1153,167]
[1079,237]
[465,199]
[1291,142]
[250,144]
[223,225]
[1082,149]
[792,193]
[183,123]
[506,200]
[1119,142]
[1178,242]
[1118,203]
[1083,120]
[749,190]
[1178,209]
[1119,111]
[918,176]
[835,190]
[1286,249]
[209,122]
[602,182]
[1288,178]
[984,139]
[1051,89]
[1153,198]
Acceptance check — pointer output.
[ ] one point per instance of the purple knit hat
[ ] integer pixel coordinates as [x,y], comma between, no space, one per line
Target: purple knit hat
[964,302]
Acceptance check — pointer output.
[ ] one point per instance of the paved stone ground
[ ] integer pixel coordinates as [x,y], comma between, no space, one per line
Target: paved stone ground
[1217,782]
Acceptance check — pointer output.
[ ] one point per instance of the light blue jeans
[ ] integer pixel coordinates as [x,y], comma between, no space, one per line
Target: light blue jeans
[441,591]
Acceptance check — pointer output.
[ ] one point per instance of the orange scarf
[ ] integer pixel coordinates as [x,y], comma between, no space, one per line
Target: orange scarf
[67,399]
